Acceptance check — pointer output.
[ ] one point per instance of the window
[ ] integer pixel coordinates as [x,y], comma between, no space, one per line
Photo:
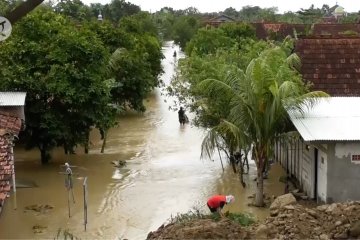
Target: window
[355,158]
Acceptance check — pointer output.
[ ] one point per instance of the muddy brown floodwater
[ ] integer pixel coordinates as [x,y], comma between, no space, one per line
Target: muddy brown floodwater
[163,176]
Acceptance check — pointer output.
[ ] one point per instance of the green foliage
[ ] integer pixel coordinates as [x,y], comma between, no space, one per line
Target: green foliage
[118,9]
[65,235]
[72,81]
[139,23]
[135,66]
[62,68]
[243,219]
[314,15]
[260,97]
[231,12]
[256,14]
[349,33]
[187,217]
[208,41]
[75,9]
[184,29]
[112,37]
[196,68]
[7,5]
[238,31]
[290,17]
[164,20]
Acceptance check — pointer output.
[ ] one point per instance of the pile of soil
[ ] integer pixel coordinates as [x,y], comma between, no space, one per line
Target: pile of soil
[201,229]
[331,221]
[292,221]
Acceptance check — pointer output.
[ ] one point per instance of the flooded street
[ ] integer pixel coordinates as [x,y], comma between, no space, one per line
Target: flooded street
[163,176]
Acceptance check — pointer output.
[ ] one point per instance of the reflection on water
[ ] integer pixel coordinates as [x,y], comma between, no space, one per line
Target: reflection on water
[163,176]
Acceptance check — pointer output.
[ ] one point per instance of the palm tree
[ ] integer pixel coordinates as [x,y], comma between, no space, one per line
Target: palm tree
[260,98]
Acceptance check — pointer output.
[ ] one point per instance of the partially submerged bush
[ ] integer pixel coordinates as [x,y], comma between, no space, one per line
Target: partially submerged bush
[65,235]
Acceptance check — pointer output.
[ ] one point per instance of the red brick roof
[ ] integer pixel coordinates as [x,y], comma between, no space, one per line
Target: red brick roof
[331,64]
[265,30]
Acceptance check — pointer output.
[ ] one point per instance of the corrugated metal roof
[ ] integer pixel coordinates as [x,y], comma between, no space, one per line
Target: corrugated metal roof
[331,119]
[12,98]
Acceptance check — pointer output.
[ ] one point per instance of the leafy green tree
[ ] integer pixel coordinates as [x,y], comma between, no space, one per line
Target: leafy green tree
[290,17]
[231,12]
[311,15]
[256,14]
[112,37]
[197,67]
[135,66]
[184,29]
[208,41]
[62,68]
[75,9]
[114,11]
[120,8]
[238,31]
[165,20]
[260,98]
[6,6]
[350,18]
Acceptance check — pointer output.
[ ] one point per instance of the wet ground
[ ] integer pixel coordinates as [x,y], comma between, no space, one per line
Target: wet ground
[163,176]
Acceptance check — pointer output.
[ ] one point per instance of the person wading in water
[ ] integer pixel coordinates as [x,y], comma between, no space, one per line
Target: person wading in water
[182,116]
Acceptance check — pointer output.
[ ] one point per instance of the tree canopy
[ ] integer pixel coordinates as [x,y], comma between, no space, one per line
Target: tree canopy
[78,76]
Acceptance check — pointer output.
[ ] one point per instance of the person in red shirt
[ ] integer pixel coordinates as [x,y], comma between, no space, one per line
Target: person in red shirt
[217,202]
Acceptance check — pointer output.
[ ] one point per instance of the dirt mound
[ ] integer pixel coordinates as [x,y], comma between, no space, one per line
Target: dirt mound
[332,221]
[291,221]
[201,229]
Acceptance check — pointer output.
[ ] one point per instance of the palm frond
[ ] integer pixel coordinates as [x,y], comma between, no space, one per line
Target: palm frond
[225,133]
[115,57]
[214,87]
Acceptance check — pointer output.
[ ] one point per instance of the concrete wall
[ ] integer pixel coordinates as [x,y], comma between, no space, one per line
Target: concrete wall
[299,161]
[343,174]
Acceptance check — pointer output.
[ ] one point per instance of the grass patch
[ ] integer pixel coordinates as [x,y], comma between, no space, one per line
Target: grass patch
[244,219]
[189,216]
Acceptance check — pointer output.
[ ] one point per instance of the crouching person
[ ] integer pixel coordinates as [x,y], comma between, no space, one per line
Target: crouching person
[217,202]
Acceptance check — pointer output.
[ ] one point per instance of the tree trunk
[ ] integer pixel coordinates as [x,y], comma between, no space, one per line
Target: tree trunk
[232,161]
[246,161]
[86,145]
[241,171]
[22,9]
[259,198]
[104,141]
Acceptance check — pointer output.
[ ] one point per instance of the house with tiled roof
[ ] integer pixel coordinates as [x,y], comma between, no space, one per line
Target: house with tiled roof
[331,64]
[12,119]
[279,31]
[218,20]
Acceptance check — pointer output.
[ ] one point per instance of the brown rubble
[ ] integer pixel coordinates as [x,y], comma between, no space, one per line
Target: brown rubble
[292,221]
[331,221]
